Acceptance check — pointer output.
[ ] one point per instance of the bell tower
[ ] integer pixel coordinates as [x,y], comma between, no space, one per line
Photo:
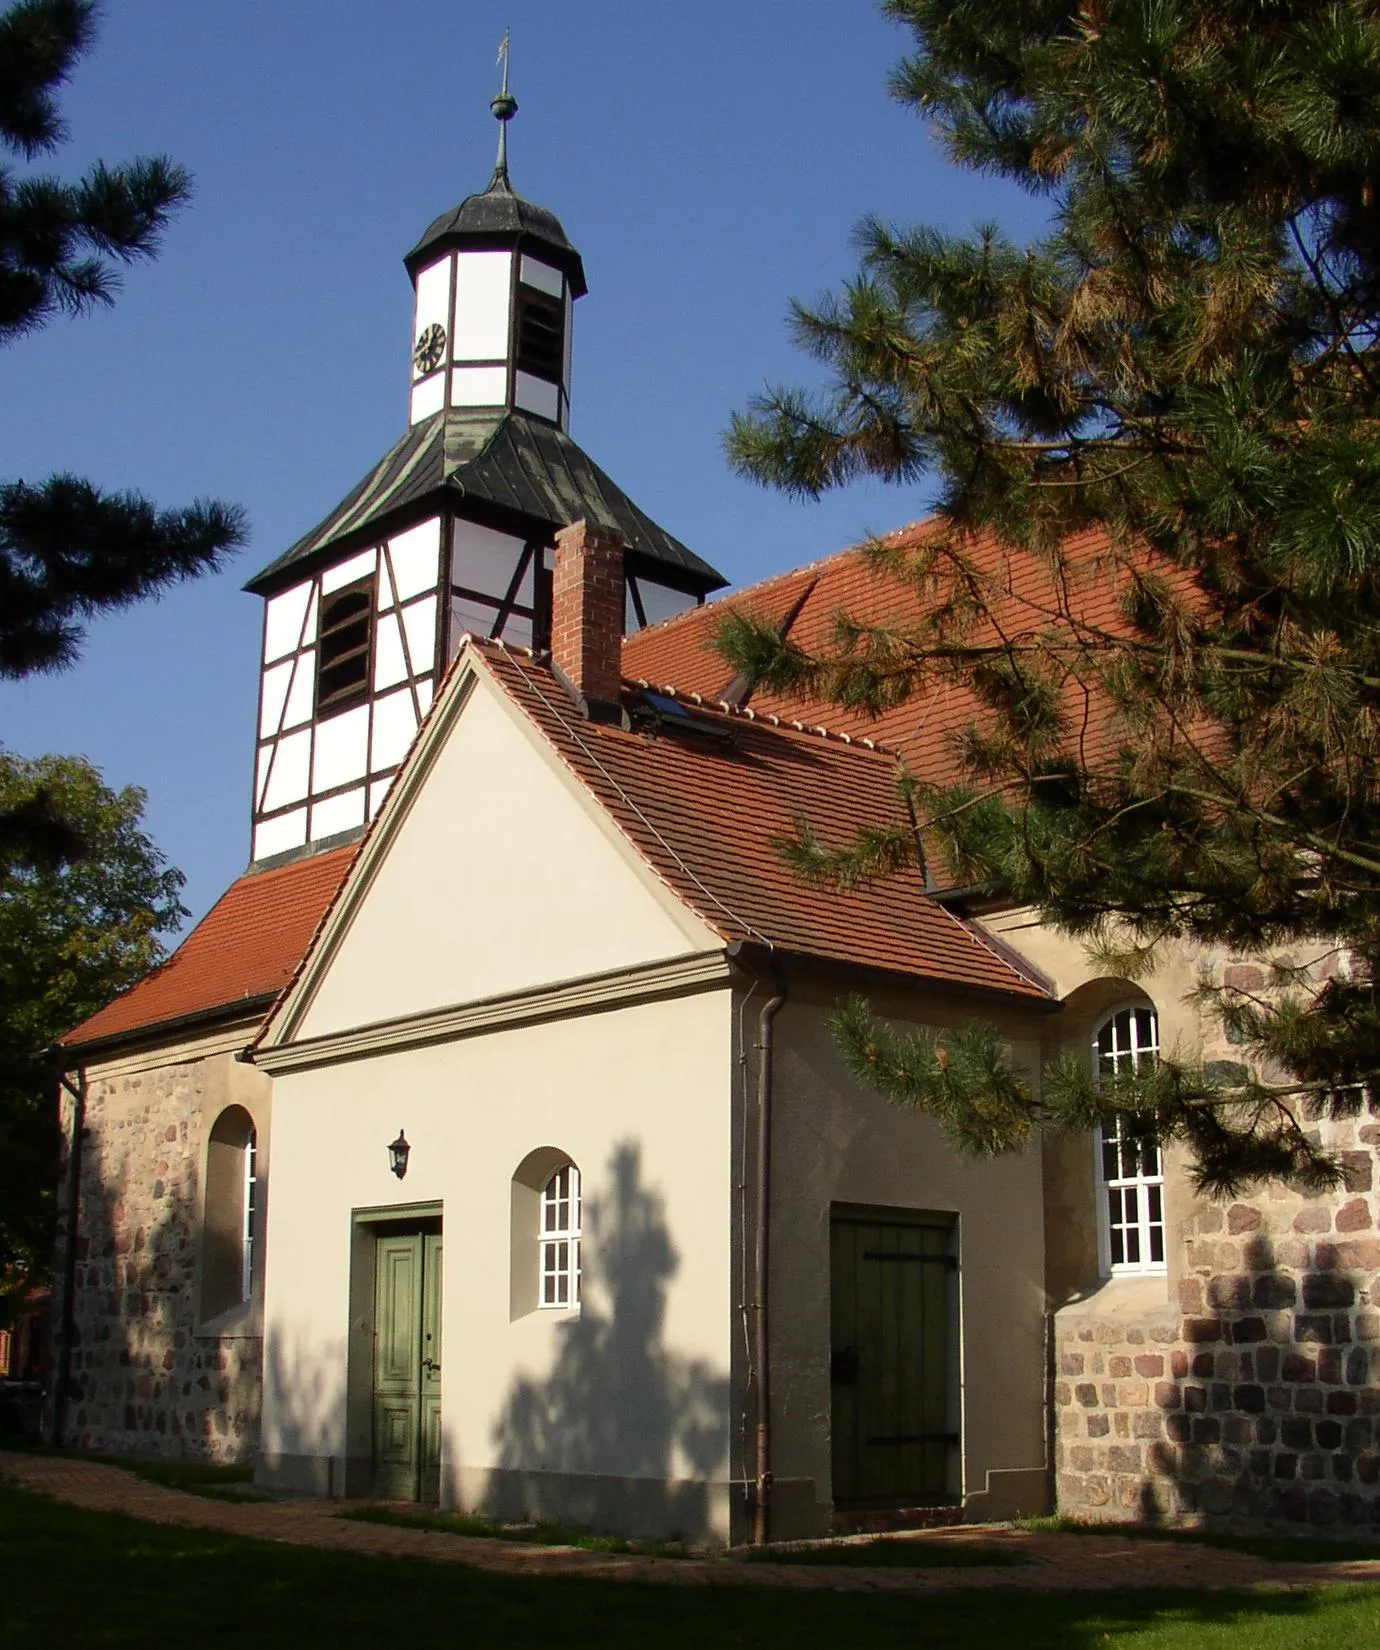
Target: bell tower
[496,280]
[451,532]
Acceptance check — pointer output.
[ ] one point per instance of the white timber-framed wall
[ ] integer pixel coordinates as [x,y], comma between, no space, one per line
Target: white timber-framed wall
[321,773]
[479,298]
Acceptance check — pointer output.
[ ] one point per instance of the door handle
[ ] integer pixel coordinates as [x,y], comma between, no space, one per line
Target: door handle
[430,1367]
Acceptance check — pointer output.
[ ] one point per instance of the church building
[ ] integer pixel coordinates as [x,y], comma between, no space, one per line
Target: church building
[487,1144]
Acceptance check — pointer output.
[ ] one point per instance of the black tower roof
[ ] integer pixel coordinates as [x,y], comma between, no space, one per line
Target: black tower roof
[498,217]
[524,473]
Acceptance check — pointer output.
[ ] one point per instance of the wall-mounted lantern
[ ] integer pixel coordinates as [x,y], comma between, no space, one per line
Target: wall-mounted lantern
[397,1155]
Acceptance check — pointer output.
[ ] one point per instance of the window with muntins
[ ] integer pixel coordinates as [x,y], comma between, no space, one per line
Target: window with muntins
[559,1243]
[250,1199]
[1130,1172]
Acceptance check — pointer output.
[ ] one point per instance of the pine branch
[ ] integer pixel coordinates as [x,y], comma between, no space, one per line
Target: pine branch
[69,551]
[40,42]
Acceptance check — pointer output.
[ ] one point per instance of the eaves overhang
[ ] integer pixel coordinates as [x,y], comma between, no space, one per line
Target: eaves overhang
[251,1010]
[755,957]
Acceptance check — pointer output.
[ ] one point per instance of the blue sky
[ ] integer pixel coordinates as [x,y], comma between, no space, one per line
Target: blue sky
[708,160]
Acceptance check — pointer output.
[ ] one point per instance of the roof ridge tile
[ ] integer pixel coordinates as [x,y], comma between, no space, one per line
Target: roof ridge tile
[745,713]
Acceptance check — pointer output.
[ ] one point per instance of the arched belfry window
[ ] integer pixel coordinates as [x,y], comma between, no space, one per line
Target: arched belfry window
[559,1241]
[232,1213]
[1130,1172]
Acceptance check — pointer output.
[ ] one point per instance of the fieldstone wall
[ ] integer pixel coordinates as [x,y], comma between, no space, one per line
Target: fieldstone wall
[147,1377]
[1257,1394]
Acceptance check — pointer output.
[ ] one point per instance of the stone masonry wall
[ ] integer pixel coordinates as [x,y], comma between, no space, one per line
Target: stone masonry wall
[146,1380]
[1256,1396]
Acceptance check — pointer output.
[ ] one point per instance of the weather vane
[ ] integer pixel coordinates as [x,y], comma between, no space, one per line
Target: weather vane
[504,107]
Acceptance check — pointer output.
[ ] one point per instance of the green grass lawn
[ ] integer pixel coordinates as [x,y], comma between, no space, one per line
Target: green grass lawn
[1278,1549]
[104,1582]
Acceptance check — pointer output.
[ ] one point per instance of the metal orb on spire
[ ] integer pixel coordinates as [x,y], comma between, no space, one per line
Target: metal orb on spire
[504,107]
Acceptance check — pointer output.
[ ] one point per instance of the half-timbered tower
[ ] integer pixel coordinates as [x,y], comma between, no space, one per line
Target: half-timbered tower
[451,531]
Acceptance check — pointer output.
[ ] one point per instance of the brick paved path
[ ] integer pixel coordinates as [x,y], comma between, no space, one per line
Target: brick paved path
[1058,1562]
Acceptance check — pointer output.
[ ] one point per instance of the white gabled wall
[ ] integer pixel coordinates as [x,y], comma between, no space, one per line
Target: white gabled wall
[633,1388]
[502,876]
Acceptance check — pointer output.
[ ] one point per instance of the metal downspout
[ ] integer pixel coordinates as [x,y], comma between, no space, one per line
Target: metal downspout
[760,1352]
[69,1259]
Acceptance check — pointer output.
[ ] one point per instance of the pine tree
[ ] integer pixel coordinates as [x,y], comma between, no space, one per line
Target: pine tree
[1182,372]
[69,550]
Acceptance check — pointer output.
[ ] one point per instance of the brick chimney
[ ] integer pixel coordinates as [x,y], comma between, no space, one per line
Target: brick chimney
[587,612]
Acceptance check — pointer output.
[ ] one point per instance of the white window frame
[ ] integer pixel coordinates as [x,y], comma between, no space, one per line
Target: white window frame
[558,1242]
[248,1208]
[1137,1188]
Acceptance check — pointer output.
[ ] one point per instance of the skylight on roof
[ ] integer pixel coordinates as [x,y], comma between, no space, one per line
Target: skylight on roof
[659,713]
[666,707]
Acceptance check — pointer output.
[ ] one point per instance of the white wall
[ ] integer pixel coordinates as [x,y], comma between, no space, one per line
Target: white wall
[635,1385]
[502,877]
[836,1142]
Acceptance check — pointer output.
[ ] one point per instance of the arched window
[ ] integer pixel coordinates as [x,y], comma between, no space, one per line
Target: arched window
[1130,1173]
[559,1240]
[232,1212]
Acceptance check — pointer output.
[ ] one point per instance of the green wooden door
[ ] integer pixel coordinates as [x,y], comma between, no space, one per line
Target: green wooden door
[407,1366]
[891,1293]
[430,1478]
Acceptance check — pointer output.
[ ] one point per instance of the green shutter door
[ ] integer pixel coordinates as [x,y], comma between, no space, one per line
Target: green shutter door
[430,1443]
[891,1285]
[407,1366]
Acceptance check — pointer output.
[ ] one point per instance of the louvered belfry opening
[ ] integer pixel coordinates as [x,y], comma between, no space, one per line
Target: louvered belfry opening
[344,646]
[540,334]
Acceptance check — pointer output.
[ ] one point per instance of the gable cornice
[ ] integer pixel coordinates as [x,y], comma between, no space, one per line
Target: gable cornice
[563,999]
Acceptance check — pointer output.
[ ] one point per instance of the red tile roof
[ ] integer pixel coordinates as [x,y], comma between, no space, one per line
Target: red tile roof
[680,651]
[705,812]
[241,953]
[704,815]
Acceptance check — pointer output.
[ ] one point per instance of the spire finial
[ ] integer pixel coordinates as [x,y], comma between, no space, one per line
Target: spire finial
[504,107]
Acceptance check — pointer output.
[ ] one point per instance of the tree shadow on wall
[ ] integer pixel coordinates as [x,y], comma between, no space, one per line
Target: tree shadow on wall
[1271,1419]
[142,1380]
[306,1383]
[623,1432]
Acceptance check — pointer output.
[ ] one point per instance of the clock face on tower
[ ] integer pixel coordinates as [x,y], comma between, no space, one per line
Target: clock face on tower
[429,348]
